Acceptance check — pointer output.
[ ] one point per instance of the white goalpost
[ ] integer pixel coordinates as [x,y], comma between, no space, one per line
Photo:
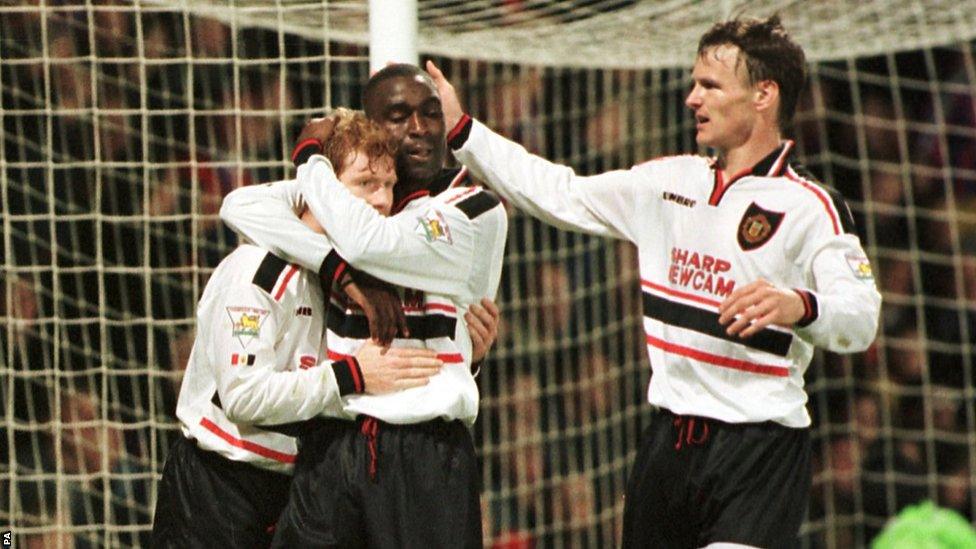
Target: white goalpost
[124,123]
[392,32]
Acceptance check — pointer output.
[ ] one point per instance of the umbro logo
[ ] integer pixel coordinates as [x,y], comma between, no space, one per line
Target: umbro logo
[678,199]
[304,311]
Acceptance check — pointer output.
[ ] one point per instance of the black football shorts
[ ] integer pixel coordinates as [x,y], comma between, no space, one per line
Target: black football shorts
[698,481]
[207,500]
[371,484]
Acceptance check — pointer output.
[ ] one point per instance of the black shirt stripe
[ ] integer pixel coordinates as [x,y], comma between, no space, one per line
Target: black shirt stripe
[478,203]
[844,212]
[458,135]
[355,326]
[846,218]
[268,272]
[706,322]
[763,166]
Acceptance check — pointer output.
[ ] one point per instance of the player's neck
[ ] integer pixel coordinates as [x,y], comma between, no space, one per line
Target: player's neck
[742,158]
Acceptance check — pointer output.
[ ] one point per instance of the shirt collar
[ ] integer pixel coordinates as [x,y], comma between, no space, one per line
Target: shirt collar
[772,165]
[445,179]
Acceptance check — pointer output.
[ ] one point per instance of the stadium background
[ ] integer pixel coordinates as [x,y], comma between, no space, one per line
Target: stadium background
[125,124]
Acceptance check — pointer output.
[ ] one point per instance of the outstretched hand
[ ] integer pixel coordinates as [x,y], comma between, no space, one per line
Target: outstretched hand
[389,370]
[449,98]
[380,303]
[757,305]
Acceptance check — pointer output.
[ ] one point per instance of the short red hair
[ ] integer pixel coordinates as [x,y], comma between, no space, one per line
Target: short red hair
[354,132]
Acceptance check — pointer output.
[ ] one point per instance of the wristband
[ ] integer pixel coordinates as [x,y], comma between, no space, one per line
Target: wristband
[332,268]
[349,376]
[811,309]
[458,135]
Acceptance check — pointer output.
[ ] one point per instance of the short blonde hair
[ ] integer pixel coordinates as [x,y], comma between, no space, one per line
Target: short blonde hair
[354,132]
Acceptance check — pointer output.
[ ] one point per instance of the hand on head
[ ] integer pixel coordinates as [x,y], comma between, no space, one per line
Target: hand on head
[449,98]
[319,129]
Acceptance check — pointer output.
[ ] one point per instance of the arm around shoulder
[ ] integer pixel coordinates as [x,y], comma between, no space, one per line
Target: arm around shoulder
[428,248]
[268,216]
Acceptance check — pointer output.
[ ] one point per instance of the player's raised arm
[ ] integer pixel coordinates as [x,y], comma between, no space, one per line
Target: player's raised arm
[603,205]
[268,215]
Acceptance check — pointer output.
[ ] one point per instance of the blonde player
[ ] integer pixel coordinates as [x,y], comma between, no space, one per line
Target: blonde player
[259,360]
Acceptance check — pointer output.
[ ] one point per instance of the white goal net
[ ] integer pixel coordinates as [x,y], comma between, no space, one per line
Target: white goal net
[125,123]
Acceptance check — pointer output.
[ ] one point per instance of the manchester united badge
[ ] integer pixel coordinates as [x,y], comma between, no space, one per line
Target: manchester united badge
[758,225]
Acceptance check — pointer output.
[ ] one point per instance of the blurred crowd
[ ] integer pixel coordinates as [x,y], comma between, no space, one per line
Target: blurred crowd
[122,133]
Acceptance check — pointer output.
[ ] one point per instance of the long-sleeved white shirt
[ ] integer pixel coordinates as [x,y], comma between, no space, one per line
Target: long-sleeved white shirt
[698,239]
[445,251]
[259,360]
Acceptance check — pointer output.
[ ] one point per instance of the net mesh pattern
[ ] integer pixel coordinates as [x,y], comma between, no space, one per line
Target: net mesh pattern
[125,124]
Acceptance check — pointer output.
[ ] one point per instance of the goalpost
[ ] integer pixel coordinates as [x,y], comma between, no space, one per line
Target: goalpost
[392,32]
[125,123]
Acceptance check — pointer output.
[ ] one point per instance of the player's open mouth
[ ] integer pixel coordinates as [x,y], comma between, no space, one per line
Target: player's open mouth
[701,121]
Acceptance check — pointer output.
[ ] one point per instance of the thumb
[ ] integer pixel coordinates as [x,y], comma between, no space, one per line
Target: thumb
[434,72]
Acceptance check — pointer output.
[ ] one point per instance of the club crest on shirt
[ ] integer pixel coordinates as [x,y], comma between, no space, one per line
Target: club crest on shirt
[434,227]
[758,225]
[860,266]
[246,323]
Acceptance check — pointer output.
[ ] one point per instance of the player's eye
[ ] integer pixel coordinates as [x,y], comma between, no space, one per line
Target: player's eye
[397,116]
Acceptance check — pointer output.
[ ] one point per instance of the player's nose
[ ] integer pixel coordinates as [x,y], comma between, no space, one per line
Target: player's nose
[382,201]
[417,124]
[693,100]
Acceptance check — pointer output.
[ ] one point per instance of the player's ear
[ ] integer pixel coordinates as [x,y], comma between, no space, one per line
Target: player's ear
[766,95]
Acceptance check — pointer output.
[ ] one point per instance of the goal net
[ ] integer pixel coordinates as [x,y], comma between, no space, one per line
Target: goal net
[124,124]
